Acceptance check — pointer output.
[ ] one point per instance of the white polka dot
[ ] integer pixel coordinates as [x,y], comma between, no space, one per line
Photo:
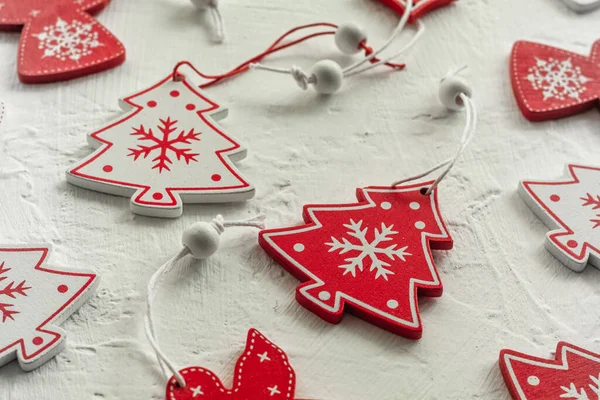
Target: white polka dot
[299,247]
[393,304]
[414,205]
[324,295]
[386,205]
[420,225]
[533,380]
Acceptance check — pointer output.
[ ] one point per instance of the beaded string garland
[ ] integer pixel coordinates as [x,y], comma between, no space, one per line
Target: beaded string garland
[326,76]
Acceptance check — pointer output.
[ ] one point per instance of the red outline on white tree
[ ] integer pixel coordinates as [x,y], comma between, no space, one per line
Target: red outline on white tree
[136,109]
[165,144]
[10,291]
[595,203]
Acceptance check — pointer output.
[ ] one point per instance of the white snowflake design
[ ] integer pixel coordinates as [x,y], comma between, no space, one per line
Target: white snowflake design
[68,41]
[370,249]
[572,392]
[557,79]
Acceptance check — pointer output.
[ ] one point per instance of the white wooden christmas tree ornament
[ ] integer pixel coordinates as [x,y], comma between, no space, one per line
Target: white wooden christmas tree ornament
[570,207]
[168,150]
[34,301]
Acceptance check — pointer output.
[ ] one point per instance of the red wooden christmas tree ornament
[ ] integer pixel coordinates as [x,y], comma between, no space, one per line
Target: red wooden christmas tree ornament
[551,83]
[574,374]
[262,372]
[372,258]
[60,40]
[420,7]
[571,208]
[34,300]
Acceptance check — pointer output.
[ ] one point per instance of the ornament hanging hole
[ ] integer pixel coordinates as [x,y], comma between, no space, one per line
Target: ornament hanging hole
[459,101]
[424,191]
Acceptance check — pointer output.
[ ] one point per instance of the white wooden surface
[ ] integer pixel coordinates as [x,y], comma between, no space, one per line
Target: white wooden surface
[502,289]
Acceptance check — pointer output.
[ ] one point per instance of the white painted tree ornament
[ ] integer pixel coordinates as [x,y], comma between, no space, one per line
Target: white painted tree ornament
[34,300]
[582,6]
[166,151]
[570,207]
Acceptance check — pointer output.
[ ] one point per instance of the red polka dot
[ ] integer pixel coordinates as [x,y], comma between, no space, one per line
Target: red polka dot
[157,196]
[107,168]
[37,340]
[216,177]
[63,289]
[555,198]
[152,104]
[175,93]
[191,107]
[572,244]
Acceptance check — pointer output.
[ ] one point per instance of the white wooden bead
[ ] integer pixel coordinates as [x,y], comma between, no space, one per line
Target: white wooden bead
[450,90]
[328,76]
[205,4]
[348,38]
[202,239]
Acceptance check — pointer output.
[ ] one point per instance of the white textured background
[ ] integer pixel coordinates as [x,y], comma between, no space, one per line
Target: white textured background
[502,289]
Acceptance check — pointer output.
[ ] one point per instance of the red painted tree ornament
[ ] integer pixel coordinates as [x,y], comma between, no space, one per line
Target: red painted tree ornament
[551,83]
[372,257]
[262,372]
[420,7]
[34,299]
[60,40]
[571,208]
[574,374]
[168,150]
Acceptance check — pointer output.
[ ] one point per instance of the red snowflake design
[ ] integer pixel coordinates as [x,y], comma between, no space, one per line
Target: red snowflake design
[164,145]
[590,201]
[10,291]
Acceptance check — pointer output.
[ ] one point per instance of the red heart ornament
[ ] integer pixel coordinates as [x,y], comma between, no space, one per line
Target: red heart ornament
[575,374]
[262,372]
[420,7]
[64,43]
[551,83]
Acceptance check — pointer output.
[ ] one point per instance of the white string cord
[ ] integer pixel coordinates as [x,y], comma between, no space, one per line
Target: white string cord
[415,39]
[399,28]
[218,25]
[202,232]
[304,80]
[466,138]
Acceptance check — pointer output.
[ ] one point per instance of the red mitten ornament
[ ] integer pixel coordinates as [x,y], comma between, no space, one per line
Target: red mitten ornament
[166,151]
[33,300]
[373,257]
[571,208]
[420,7]
[262,372]
[551,83]
[574,374]
[60,40]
